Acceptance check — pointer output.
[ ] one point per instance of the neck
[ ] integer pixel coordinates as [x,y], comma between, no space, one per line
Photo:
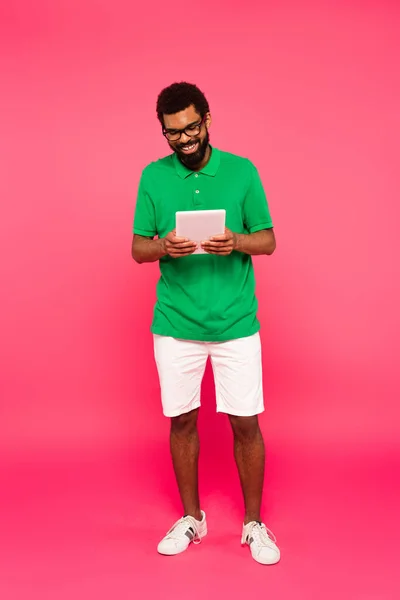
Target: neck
[205,160]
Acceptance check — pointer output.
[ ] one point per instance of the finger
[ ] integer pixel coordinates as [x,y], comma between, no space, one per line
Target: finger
[220,238]
[177,240]
[223,244]
[180,254]
[219,253]
[182,245]
[217,249]
[172,237]
[181,251]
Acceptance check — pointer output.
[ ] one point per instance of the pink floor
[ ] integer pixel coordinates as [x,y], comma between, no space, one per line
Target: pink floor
[74,529]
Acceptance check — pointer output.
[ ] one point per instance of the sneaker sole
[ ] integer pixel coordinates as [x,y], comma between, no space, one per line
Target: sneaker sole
[184,549]
[274,562]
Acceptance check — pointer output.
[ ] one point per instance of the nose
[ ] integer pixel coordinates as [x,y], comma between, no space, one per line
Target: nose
[184,138]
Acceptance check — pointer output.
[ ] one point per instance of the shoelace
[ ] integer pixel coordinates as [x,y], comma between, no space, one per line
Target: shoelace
[181,527]
[263,535]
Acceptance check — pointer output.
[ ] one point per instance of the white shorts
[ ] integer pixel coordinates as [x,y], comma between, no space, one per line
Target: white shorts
[237,372]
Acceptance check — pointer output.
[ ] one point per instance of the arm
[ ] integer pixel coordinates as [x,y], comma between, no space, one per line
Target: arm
[146,249]
[260,238]
[260,242]
[257,221]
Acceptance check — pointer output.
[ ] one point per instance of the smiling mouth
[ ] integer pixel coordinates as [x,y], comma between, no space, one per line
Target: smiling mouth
[189,148]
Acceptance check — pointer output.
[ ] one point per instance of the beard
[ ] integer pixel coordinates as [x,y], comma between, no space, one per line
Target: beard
[193,160]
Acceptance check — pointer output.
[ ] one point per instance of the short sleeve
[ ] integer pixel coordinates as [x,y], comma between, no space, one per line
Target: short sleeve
[256,210]
[145,218]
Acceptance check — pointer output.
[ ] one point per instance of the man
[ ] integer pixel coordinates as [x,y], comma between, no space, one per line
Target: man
[206,306]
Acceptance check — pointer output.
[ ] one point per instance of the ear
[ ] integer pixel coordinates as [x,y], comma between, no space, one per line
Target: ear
[208,120]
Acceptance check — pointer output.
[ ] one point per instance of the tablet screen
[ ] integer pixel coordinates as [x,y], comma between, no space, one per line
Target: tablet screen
[200,225]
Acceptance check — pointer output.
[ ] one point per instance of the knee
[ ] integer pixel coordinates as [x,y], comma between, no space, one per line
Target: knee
[245,427]
[185,423]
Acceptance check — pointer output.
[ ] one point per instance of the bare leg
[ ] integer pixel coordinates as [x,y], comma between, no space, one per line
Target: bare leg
[250,460]
[185,446]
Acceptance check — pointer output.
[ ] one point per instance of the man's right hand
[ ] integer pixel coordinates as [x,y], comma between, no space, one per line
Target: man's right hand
[176,247]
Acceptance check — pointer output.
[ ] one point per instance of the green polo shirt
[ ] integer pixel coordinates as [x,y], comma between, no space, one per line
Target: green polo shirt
[203,297]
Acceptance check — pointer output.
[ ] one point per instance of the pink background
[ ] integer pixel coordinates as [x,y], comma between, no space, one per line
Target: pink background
[310,92]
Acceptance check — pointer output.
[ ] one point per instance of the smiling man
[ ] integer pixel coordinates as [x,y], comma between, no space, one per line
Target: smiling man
[206,306]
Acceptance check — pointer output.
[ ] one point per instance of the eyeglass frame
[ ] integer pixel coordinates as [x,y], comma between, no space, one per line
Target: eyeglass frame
[165,132]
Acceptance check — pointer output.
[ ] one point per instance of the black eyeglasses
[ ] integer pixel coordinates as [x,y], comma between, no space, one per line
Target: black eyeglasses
[173,135]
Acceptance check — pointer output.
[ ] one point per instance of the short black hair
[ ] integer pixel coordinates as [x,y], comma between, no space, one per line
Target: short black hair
[179,96]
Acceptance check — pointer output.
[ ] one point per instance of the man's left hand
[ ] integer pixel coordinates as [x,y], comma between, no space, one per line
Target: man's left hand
[223,245]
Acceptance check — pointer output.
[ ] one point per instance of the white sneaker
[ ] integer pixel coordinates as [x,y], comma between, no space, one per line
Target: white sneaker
[263,547]
[184,531]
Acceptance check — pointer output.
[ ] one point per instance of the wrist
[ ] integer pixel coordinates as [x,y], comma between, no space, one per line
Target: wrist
[162,246]
[238,242]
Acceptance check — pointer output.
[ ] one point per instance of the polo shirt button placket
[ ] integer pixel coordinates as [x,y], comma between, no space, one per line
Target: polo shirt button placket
[197,199]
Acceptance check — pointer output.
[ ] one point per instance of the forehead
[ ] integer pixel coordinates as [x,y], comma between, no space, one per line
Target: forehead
[180,119]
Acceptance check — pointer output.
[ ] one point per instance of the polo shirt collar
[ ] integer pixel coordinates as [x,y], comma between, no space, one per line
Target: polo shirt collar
[211,167]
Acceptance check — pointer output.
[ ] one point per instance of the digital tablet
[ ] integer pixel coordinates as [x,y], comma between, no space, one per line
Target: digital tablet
[200,225]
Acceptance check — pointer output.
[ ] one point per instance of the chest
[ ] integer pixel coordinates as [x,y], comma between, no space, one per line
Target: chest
[201,192]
